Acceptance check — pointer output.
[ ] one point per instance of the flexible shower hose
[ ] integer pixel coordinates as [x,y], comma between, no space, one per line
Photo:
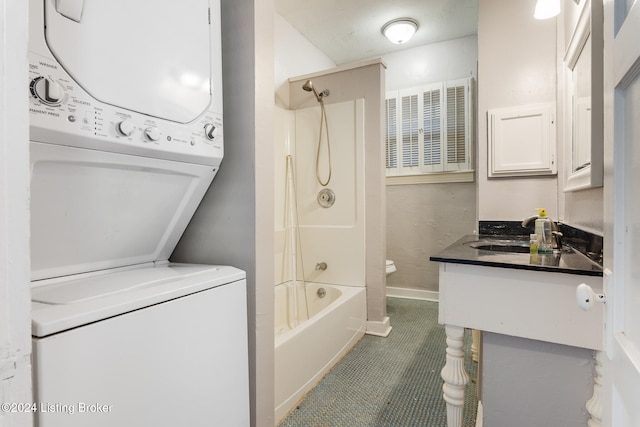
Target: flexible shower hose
[324,124]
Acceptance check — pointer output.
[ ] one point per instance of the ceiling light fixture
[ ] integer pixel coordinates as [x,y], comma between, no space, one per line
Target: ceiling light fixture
[400,30]
[546,9]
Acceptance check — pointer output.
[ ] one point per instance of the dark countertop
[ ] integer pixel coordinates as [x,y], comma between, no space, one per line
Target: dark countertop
[568,261]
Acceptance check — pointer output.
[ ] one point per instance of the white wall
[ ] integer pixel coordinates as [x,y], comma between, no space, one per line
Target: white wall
[517,66]
[448,60]
[15,298]
[294,56]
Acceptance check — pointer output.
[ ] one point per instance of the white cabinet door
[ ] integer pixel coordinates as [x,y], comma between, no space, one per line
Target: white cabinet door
[522,141]
[622,214]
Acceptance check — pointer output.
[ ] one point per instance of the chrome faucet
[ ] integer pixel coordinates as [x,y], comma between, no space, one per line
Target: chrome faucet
[555,232]
[557,238]
[527,221]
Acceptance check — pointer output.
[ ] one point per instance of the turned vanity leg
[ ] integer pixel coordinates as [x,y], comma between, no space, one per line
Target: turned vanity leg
[454,375]
[594,405]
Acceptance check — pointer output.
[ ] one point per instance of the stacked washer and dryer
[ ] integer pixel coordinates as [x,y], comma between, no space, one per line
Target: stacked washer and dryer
[126,136]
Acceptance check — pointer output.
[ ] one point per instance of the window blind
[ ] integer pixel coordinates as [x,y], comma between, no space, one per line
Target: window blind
[428,129]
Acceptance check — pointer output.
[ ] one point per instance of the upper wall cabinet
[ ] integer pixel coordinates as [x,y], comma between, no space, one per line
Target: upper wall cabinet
[584,96]
[522,141]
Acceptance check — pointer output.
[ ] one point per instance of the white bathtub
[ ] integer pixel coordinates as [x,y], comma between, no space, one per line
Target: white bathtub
[305,353]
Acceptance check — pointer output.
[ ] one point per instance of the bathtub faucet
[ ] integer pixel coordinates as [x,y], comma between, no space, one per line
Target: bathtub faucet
[321,266]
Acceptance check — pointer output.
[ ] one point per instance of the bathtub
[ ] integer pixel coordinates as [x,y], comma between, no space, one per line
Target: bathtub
[305,352]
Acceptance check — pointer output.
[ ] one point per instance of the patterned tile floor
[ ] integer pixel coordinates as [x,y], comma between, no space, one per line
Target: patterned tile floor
[389,382]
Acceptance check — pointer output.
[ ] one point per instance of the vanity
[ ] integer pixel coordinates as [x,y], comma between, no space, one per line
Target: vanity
[537,358]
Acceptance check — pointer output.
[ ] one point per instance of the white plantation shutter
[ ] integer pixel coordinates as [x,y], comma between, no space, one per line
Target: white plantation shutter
[429,129]
[391,138]
[410,137]
[457,124]
[431,114]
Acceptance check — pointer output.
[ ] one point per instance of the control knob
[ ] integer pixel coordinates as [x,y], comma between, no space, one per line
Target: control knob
[48,91]
[125,127]
[152,133]
[210,131]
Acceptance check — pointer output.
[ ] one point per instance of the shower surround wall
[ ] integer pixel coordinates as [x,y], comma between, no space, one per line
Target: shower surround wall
[337,235]
[333,235]
[313,333]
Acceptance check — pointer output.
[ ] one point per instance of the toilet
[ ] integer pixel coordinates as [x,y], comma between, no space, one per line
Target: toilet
[391,267]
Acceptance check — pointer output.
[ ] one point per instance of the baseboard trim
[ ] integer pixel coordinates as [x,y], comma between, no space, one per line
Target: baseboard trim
[379,328]
[413,294]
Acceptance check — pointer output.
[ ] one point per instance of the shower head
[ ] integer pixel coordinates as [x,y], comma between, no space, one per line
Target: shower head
[308,86]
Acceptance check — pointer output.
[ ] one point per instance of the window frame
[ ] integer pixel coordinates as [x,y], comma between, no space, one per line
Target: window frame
[423,172]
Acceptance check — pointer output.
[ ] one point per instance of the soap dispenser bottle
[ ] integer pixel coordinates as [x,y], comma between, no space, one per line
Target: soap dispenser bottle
[544,231]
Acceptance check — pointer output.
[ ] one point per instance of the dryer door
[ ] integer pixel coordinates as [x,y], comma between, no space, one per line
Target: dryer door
[148,56]
[93,210]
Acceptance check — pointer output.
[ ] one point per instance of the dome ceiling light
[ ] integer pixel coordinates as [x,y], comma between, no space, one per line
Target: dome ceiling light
[400,30]
[546,9]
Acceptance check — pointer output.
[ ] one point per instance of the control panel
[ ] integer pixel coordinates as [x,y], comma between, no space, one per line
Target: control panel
[61,112]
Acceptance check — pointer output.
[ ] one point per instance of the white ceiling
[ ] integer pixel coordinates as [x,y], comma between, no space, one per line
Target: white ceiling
[350,30]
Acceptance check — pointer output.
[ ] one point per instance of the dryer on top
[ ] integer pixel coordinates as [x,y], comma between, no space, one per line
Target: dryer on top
[137,77]
[125,129]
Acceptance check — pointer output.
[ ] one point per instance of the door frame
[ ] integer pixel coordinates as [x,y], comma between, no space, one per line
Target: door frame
[621,358]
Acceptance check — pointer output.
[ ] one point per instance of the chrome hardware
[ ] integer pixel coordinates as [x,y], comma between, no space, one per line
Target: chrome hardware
[326,197]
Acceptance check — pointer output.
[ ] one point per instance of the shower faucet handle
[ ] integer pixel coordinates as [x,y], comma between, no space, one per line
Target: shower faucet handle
[321,266]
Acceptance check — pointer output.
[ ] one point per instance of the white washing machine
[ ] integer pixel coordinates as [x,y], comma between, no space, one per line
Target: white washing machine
[126,136]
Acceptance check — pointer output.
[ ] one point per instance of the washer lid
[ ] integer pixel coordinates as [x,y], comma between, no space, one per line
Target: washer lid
[93,287]
[75,302]
[148,56]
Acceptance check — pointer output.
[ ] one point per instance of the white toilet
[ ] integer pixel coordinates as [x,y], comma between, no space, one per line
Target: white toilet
[391,267]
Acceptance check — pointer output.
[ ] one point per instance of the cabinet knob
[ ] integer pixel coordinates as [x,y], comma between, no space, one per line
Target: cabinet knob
[586,297]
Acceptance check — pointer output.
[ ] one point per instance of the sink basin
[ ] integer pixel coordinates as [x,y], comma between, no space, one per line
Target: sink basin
[512,246]
[517,246]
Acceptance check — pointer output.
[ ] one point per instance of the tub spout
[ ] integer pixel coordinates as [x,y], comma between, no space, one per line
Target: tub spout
[321,266]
